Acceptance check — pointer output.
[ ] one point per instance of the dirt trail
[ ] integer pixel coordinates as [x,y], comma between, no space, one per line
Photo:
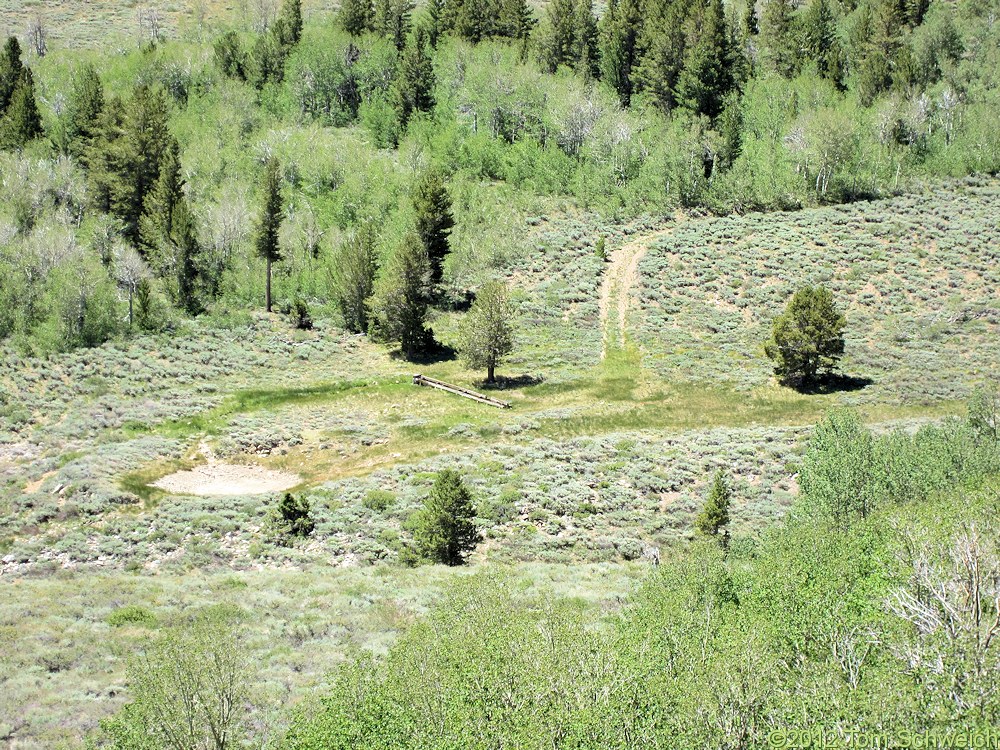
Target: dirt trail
[620,277]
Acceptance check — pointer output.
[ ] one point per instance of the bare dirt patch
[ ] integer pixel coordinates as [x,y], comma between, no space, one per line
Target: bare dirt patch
[217,479]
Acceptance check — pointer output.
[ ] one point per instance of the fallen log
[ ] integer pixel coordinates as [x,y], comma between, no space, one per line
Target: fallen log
[460,391]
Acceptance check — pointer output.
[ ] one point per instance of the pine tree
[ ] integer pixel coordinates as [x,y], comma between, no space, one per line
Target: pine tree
[353,277]
[713,521]
[777,37]
[706,77]
[10,71]
[83,111]
[187,254]
[356,16]
[622,25]
[392,20]
[157,223]
[807,337]
[584,52]
[821,43]
[21,122]
[558,37]
[445,529]
[230,57]
[134,157]
[415,85]
[402,297]
[270,223]
[662,59]
[432,206]
[288,28]
[514,20]
[488,329]
[100,157]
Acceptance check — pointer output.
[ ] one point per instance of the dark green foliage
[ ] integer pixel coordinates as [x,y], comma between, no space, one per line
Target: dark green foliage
[401,298]
[290,519]
[379,500]
[620,29]
[266,63]
[808,337]
[434,220]
[391,20]
[706,76]
[352,276]
[570,36]
[131,615]
[269,223]
[415,85]
[125,156]
[83,111]
[147,317]
[21,122]
[230,57]
[777,35]
[11,68]
[713,520]
[821,43]
[157,222]
[288,27]
[187,259]
[488,330]
[445,529]
[301,318]
[476,20]
[356,16]
[984,413]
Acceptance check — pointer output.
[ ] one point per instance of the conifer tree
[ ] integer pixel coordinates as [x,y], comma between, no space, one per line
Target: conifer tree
[135,155]
[402,297]
[558,34]
[584,52]
[415,85]
[270,223]
[706,77]
[21,122]
[445,529]
[356,16]
[620,31]
[821,43]
[663,53]
[10,71]
[230,57]
[432,206]
[83,111]
[157,223]
[392,20]
[713,521]
[288,27]
[353,277]
[187,263]
[777,37]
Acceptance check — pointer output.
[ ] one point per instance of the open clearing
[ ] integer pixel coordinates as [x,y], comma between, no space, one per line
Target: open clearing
[227,479]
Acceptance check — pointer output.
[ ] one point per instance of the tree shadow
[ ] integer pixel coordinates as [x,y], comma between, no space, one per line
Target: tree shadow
[832,382]
[433,353]
[505,383]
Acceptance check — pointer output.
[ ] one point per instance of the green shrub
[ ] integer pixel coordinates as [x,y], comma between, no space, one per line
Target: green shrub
[131,614]
[379,500]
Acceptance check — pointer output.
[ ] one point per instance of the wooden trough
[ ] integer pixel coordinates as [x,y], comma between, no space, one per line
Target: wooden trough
[458,390]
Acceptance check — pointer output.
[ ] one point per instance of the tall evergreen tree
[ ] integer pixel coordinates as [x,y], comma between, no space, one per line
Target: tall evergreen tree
[713,520]
[415,85]
[288,27]
[621,27]
[83,111]
[157,223]
[10,71]
[488,330]
[706,77]
[432,206]
[557,34]
[402,297]
[134,153]
[584,50]
[821,42]
[356,16]
[662,58]
[353,277]
[777,37]
[269,224]
[21,122]
[392,20]
[187,260]
[445,530]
